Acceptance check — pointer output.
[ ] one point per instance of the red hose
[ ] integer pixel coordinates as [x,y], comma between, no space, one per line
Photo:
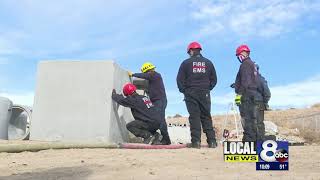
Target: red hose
[147,146]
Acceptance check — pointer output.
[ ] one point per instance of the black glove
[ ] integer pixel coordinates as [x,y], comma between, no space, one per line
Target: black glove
[114,91]
[233,85]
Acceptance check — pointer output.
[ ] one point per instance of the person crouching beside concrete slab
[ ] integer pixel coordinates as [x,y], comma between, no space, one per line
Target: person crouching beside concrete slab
[147,119]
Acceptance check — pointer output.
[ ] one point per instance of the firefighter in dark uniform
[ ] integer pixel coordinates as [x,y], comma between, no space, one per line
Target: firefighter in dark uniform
[249,97]
[266,95]
[195,79]
[263,89]
[157,94]
[147,119]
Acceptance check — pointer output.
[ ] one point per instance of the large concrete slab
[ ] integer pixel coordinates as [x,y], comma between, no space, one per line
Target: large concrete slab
[73,102]
[5,114]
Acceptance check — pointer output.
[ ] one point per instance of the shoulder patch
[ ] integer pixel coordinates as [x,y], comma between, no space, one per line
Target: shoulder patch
[147,102]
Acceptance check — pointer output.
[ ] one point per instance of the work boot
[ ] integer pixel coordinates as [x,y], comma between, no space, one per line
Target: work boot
[165,142]
[156,140]
[194,145]
[149,139]
[212,144]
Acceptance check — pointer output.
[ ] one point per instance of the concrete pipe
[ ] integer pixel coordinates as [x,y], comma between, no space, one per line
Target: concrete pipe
[5,114]
[19,124]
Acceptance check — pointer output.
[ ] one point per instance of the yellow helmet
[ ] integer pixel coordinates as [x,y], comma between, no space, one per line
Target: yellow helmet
[147,66]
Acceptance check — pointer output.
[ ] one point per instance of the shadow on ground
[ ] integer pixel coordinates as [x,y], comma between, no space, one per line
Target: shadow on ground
[64,173]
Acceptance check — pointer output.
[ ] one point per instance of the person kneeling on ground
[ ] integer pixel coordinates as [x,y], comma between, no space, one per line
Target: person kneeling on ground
[147,119]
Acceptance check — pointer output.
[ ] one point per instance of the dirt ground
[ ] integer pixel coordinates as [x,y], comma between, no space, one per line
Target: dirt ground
[195,164]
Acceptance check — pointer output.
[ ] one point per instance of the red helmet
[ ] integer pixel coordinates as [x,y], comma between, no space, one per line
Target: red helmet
[242,48]
[129,89]
[194,45]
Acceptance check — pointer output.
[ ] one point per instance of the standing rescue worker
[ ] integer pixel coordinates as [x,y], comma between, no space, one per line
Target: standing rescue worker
[147,119]
[195,79]
[266,95]
[157,94]
[264,89]
[247,87]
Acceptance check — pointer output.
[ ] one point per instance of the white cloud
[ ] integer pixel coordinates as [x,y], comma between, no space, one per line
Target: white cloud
[21,99]
[298,94]
[91,26]
[266,18]
[295,95]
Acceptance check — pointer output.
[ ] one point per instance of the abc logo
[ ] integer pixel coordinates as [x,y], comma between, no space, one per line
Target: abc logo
[281,155]
[270,153]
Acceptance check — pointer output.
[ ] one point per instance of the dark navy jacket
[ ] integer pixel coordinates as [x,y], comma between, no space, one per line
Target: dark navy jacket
[156,88]
[196,72]
[247,81]
[141,107]
[264,89]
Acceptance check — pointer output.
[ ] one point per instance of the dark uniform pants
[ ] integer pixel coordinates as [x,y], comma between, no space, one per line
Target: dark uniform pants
[253,115]
[142,129]
[198,103]
[161,106]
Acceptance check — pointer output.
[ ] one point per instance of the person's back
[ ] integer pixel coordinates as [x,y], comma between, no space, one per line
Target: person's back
[195,79]
[196,72]
[263,87]
[156,90]
[141,107]
[265,91]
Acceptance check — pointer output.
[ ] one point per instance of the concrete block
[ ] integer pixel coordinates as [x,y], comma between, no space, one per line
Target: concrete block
[73,102]
[179,135]
[5,115]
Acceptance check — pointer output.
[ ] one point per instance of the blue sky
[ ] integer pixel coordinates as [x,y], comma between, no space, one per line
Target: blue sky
[283,36]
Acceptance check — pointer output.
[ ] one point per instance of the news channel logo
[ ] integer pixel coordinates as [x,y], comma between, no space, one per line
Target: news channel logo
[273,155]
[238,151]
